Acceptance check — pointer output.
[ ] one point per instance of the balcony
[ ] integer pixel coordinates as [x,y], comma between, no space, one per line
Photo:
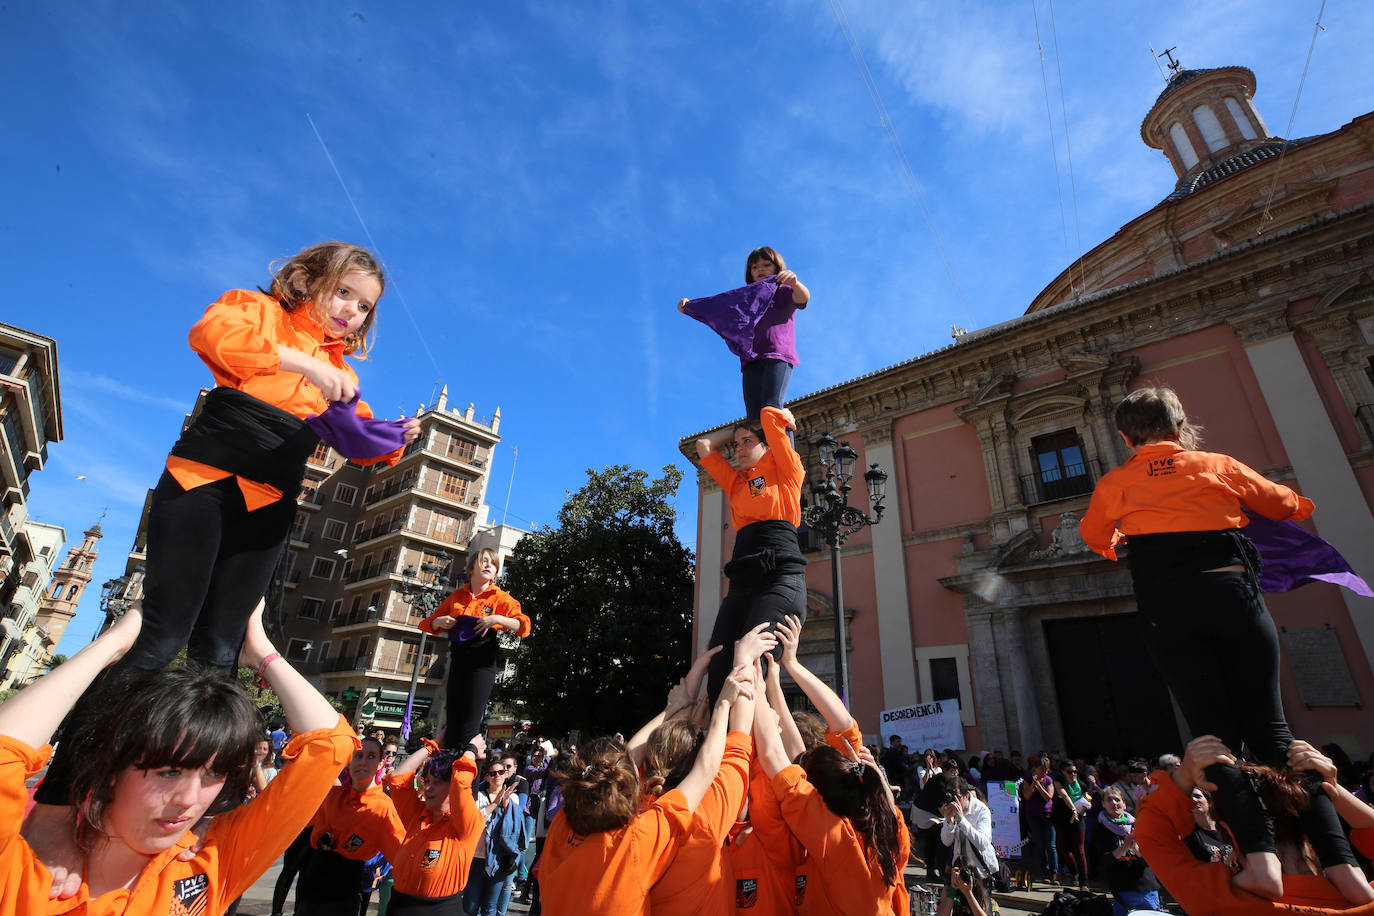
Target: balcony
[363,663]
[1075,480]
[302,538]
[460,537]
[412,485]
[369,571]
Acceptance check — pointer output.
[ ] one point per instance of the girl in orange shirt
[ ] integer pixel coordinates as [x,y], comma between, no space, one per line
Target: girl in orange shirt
[221,513]
[471,617]
[355,822]
[603,853]
[170,745]
[767,571]
[1204,621]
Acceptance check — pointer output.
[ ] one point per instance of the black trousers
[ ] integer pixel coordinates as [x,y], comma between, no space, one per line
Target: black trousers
[745,606]
[1214,642]
[330,885]
[291,863]
[209,561]
[471,676]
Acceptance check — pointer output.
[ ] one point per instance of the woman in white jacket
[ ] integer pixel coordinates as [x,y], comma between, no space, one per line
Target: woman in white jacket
[967,828]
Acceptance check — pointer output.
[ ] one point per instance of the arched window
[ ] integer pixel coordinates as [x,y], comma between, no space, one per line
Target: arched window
[1183,145]
[1210,127]
[1242,119]
[71,595]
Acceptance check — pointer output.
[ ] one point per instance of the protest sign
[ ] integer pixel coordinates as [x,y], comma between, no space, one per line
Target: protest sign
[923,725]
[1004,804]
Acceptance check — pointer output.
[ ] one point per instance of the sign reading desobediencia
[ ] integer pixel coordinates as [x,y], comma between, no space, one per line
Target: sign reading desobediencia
[923,725]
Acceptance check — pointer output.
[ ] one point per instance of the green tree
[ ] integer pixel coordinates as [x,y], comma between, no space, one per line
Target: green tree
[609,594]
[55,661]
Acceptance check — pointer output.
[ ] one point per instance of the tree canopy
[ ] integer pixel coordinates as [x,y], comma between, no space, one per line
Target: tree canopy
[609,595]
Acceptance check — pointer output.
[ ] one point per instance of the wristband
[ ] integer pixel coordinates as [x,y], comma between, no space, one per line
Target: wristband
[261,679]
[430,745]
[473,749]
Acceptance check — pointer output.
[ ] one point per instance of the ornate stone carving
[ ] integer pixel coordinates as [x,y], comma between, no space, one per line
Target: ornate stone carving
[1064,540]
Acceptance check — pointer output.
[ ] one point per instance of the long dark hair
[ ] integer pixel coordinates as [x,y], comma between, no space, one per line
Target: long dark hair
[183,718]
[854,791]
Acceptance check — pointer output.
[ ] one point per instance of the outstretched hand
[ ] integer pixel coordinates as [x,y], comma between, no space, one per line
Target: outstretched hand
[1202,752]
[1303,756]
[752,645]
[789,634]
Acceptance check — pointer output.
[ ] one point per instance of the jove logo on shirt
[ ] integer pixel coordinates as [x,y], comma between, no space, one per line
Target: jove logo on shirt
[801,890]
[756,485]
[431,858]
[188,896]
[746,893]
[1161,467]
[353,843]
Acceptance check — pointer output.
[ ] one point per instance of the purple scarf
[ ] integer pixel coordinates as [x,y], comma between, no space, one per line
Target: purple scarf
[1294,556]
[357,437]
[736,314]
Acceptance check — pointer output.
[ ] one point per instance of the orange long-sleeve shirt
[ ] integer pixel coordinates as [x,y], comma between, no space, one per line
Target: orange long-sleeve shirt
[492,600]
[771,489]
[237,339]
[431,858]
[764,856]
[610,873]
[1164,487]
[699,880]
[238,848]
[357,822]
[845,877]
[1205,887]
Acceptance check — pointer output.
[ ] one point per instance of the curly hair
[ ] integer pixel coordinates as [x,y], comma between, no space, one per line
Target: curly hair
[307,275]
[856,792]
[812,729]
[601,789]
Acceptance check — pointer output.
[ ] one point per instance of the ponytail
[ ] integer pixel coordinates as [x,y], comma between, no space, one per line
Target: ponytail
[857,792]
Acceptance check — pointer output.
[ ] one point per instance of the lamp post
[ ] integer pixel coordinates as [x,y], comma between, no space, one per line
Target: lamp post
[115,600]
[835,520]
[425,595]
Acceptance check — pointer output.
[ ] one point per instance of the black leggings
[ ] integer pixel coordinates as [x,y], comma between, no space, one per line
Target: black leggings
[209,561]
[471,676]
[747,606]
[291,862]
[1214,642]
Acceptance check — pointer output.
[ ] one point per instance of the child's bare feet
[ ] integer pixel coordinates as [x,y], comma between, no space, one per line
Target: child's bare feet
[1262,876]
[1350,881]
[50,831]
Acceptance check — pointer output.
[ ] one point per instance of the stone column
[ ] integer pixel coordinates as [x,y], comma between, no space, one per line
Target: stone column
[889,576]
[709,563]
[1013,643]
[987,679]
[1320,464]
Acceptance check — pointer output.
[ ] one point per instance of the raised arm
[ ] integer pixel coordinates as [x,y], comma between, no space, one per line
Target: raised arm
[827,703]
[767,739]
[1303,756]
[792,743]
[306,710]
[735,705]
[33,714]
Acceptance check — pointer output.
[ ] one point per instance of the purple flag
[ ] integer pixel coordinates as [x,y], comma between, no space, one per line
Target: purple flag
[735,314]
[1294,556]
[357,437]
[405,723]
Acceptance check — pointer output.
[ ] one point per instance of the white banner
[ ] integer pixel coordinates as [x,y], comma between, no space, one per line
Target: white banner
[924,725]
[1004,802]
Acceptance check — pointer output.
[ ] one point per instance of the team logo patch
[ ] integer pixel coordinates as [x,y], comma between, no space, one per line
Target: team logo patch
[1161,467]
[801,890]
[746,893]
[189,897]
[353,843]
[431,858]
[756,485]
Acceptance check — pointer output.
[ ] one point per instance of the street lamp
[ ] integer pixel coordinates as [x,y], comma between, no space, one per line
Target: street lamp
[115,600]
[425,595]
[835,520]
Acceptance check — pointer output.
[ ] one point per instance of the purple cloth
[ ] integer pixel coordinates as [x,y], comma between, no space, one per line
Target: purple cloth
[1294,556]
[755,321]
[357,437]
[464,629]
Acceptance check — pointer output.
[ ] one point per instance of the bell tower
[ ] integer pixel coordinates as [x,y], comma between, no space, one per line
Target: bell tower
[69,581]
[1204,118]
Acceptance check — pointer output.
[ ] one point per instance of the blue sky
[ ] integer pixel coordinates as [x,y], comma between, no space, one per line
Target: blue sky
[544,180]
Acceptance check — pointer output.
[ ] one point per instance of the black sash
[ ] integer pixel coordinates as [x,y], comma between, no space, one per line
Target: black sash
[250,438]
[763,550]
[1157,558]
